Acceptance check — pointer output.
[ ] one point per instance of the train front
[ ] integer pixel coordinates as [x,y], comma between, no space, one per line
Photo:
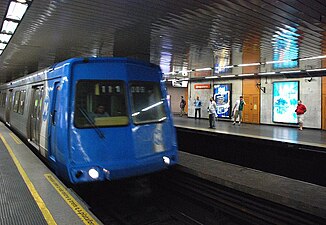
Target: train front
[121,122]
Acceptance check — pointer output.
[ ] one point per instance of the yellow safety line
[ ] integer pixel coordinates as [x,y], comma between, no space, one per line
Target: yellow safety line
[16,139]
[75,206]
[39,201]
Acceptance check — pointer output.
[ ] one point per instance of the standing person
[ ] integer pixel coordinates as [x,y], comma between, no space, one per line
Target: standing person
[182,106]
[212,112]
[300,110]
[197,104]
[237,110]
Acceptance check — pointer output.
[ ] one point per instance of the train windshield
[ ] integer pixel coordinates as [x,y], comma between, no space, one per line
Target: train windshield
[146,102]
[100,104]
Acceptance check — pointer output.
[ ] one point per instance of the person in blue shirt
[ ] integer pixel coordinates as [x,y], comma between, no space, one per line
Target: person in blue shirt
[197,104]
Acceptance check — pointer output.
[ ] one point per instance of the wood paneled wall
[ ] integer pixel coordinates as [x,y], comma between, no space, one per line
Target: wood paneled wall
[251,95]
[323,106]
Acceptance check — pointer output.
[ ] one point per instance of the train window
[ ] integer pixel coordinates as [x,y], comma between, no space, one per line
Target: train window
[100,103]
[16,101]
[3,99]
[146,102]
[21,102]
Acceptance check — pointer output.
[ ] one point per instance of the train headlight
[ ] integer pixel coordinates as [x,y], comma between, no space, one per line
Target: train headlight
[93,173]
[166,160]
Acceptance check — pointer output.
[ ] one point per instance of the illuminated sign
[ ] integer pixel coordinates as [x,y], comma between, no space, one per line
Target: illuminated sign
[222,97]
[285,99]
[202,86]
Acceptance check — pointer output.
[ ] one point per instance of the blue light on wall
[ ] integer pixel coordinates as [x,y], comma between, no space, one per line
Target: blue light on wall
[222,97]
[285,47]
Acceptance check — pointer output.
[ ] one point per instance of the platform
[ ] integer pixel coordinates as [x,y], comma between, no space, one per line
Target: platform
[281,150]
[292,135]
[30,193]
[298,195]
[293,145]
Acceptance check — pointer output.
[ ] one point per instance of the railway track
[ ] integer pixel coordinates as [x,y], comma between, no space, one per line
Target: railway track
[173,197]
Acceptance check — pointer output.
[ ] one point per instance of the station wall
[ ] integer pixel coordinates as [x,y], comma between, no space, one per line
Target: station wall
[205,94]
[310,92]
[175,97]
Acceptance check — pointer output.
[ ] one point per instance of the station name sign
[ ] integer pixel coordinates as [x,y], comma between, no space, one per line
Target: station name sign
[202,86]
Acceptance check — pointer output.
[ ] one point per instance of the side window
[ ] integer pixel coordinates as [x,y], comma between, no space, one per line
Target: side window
[16,101]
[21,102]
[3,99]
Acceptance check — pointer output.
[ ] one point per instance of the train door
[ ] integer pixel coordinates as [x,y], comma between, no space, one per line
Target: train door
[35,114]
[8,106]
[54,118]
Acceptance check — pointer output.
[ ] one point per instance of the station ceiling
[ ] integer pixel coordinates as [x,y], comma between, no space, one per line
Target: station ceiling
[175,34]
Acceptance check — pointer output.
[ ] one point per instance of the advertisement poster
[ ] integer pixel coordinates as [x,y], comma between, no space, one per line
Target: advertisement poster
[222,97]
[285,99]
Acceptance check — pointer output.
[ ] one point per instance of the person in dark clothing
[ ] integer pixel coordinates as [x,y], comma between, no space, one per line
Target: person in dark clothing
[182,106]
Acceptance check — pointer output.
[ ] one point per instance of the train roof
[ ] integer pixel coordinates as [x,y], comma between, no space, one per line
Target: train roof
[105,59]
[41,74]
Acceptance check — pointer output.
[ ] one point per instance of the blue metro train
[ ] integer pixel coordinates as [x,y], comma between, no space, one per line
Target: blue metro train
[94,119]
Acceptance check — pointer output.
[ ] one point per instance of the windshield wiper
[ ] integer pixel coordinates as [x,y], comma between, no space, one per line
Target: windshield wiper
[91,122]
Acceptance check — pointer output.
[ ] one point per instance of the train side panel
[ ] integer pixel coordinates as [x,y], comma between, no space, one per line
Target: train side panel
[56,127]
[3,97]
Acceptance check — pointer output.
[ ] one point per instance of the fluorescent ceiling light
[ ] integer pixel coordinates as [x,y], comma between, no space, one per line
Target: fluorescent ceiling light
[293,71]
[250,64]
[2,46]
[232,75]
[316,57]
[5,38]
[281,61]
[16,10]
[316,70]
[9,27]
[267,73]
[211,77]
[204,69]
[246,74]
